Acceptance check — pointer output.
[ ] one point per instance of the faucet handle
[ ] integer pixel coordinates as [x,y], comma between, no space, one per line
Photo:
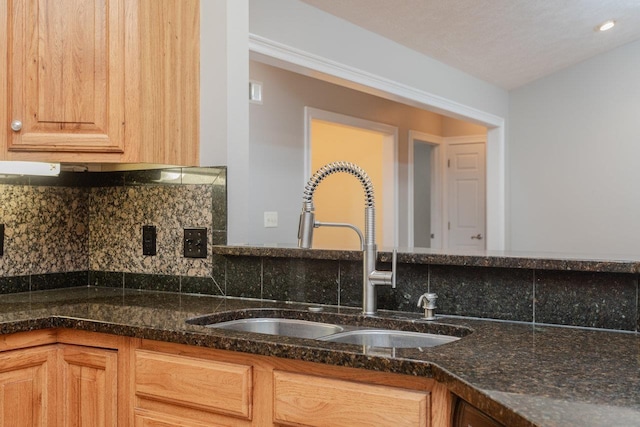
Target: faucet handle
[387,278]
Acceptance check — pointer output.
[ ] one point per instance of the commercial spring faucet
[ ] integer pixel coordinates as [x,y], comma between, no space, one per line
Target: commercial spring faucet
[370,276]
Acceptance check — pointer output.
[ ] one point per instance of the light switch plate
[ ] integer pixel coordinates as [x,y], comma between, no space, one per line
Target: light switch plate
[255,92]
[149,240]
[270,219]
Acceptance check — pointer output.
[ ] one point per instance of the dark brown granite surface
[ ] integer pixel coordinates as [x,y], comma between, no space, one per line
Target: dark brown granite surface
[470,286]
[502,259]
[521,374]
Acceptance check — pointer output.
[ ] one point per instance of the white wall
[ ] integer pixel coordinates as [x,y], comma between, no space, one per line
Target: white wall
[224,111]
[574,158]
[293,23]
[277,143]
[302,27]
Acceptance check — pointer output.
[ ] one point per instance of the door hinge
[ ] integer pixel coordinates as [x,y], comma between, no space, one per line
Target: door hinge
[448,163]
[449,225]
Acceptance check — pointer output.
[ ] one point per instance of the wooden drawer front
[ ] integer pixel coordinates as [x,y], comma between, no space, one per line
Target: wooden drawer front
[158,420]
[315,401]
[196,383]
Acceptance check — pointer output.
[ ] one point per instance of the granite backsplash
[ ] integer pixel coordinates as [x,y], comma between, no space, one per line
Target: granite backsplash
[592,299]
[72,229]
[85,229]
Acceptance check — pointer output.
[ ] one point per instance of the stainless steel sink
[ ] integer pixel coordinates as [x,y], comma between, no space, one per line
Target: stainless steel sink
[366,332]
[277,326]
[385,338]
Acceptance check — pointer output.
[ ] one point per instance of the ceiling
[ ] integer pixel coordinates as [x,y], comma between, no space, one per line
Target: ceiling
[505,42]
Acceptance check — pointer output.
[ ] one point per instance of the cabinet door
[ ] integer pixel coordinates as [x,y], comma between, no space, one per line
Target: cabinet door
[469,416]
[65,75]
[87,386]
[27,382]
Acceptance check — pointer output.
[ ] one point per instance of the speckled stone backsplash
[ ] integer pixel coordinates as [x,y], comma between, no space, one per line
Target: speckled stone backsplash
[79,228]
[45,229]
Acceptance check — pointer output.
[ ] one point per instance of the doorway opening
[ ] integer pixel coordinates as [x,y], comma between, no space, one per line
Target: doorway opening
[319,67]
[332,137]
[425,229]
[447,183]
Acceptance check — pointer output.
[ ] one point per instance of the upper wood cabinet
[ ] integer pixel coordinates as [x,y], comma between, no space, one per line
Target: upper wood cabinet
[100,81]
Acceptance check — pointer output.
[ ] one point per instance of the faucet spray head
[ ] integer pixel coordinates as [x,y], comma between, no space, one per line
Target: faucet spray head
[306,225]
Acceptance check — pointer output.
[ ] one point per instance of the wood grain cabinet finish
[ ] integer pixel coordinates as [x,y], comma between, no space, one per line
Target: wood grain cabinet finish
[62,377]
[306,400]
[87,386]
[66,80]
[27,387]
[100,81]
[159,420]
[190,382]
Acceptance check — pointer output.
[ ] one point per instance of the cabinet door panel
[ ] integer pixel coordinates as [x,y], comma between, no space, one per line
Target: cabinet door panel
[27,379]
[66,75]
[88,386]
[469,416]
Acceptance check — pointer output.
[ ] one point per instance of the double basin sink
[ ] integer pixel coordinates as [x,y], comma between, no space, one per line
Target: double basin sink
[285,323]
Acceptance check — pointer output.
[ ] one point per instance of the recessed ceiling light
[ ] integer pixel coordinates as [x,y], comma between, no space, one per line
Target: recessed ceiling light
[606,25]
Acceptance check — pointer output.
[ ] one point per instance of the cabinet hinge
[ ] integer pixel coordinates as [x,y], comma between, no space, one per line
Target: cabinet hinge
[449,225]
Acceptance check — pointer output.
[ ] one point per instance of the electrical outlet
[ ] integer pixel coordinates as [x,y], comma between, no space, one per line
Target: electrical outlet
[270,219]
[1,239]
[149,240]
[195,242]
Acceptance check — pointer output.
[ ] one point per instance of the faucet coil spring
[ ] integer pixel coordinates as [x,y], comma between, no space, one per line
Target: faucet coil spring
[335,167]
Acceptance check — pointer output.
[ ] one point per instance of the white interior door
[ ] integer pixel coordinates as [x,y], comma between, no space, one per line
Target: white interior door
[466,188]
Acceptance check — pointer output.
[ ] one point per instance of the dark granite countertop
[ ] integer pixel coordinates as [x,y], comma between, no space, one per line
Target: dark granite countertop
[521,374]
[480,258]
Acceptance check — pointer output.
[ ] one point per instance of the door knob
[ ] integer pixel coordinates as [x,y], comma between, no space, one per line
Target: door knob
[16,125]
[479,237]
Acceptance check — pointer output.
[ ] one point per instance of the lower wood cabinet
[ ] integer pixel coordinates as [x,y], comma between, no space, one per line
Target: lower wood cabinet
[159,420]
[189,386]
[467,415]
[301,399]
[193,383]
[27,387]
[87,386]
[45,381]
[73,378]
